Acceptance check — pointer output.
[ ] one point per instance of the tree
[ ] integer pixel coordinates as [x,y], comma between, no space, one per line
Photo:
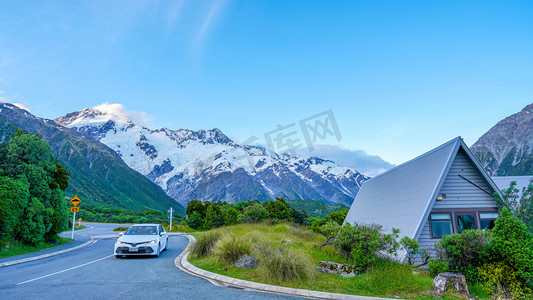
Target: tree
[520,206]
[278,209]
[337,216]
[231,216]
[28,160]
[255,213]
[196,206]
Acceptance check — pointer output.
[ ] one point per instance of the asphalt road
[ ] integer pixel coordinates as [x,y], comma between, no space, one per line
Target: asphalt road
[94,273]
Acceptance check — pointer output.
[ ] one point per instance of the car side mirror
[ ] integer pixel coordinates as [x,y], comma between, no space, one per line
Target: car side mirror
[121,233]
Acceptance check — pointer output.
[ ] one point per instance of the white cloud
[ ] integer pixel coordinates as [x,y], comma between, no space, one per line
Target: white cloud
[7,100]
[118,111]
[363,162]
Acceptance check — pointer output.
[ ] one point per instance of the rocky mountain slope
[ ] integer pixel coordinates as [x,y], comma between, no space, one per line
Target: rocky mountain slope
[208,166]
[97,173]
[507,148]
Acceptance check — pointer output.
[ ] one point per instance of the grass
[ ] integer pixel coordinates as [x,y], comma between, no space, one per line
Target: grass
[79,227]
[18,248]
[384,279]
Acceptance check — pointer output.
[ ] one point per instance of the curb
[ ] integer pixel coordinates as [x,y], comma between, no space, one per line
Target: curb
[183,264]
[24,260]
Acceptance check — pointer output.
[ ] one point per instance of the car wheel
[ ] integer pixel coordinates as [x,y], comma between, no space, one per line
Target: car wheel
[118,256]
[166,244]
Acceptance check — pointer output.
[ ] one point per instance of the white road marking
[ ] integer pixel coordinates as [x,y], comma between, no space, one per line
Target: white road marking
[62,271]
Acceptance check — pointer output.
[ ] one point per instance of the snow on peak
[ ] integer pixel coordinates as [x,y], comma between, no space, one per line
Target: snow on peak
[103,113]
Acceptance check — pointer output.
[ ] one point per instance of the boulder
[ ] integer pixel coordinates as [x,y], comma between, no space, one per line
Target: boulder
[287,241]
[247,262]
[330,267]
[446,280]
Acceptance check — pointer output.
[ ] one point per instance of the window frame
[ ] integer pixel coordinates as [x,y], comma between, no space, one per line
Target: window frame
[431,223]
[476,211]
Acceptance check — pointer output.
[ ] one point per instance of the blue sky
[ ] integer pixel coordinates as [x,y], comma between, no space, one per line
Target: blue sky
[401,77]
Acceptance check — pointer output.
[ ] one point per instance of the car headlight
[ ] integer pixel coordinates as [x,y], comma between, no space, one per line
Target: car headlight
[120,243]
[152,242]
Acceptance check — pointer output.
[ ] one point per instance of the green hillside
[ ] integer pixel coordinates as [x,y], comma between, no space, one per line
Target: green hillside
[315,208]
[97,173]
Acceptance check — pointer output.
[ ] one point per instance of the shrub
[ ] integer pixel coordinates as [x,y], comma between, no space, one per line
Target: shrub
[464,252]
[282,263]
[359,243]
[411,247]
[121,229]
[231,217]
[500,279]
[205,244]
[254,213]
[195,220]
[278,209]
[437,266]
[512,243]
[337,216]
[231,248]
[330,229]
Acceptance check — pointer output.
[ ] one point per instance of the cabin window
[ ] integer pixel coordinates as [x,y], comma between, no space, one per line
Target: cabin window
[465,222]
[486,220]
[441,224]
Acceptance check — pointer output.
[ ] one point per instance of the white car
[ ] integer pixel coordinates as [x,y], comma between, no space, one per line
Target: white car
[142,239]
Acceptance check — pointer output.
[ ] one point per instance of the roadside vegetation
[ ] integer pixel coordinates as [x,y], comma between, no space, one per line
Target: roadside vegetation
[32,206]
[17,248]
[288,255]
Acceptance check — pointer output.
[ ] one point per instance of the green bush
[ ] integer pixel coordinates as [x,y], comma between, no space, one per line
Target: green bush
[501,280]
[195,220]
[205,244]
[465,252]
[512,243]
[331,228]
[231,248]
[437,266]
[360,244]
[254,213]
[281,263]
[278,209]
[231,217]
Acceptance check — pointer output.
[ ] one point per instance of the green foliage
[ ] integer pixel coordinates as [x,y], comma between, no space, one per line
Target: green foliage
[437,266]
[337,216]
[231,248]
[231,217]
[411,247]
[331,228]
[195,220]
[512,243]
[278,209]
[298,216]
[32,206]
[464,252]
[205,244]
[391,277]
[360,244]
[520,206]
[196,206]
[314,208]
[500,279]
[255,213]
[283,264]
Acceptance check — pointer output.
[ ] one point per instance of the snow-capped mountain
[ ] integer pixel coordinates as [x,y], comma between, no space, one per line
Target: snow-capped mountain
[507,148]
[207,165]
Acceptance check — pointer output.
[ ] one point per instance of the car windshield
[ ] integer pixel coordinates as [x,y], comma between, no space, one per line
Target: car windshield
[141,230]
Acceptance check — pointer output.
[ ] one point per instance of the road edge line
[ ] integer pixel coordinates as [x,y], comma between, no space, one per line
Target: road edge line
[182,263]
[34,258]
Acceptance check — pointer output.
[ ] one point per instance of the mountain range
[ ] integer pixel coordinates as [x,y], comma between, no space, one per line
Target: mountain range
[507,148]
[209,166]
[97,173]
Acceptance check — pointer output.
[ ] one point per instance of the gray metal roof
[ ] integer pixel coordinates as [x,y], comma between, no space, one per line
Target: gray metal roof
[402,197]
[503,182]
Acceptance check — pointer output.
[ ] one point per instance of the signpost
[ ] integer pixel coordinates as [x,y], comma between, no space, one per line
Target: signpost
[75,201]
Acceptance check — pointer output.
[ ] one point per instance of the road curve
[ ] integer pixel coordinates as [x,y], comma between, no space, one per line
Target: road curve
[94,273]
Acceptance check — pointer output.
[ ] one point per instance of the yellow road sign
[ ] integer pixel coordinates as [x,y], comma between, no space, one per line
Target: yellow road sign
[75,200]
[74,209]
